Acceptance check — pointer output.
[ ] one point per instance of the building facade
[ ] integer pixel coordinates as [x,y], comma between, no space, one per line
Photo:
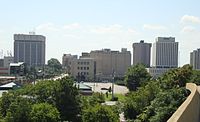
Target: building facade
[195,59]
[29,48]
[165,56]
[165,53]
[83,69]
[142,53]
[67,60]
[109,62]
[8,60]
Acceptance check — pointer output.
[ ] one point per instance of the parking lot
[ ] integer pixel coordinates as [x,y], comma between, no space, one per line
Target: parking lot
[97,87]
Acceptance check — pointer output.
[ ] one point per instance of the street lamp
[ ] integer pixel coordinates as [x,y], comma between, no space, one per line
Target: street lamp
[113,79]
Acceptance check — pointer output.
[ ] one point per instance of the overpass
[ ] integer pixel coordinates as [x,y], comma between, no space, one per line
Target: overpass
[189,111]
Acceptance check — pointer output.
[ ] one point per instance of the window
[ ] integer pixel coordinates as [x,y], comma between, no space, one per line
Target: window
[81,68]
[88,63]
[84,68]
[77,67]
[87,68]
[78,62]
[87,73]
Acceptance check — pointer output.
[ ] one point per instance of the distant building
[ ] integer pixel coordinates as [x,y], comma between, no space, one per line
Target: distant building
[195,59]
[165,53]
[8,60]
[108,61]
[165,56]
[5,64]
[30,49]
[17,69]
[83,69]
[1,62]
[142,53]
[67,60]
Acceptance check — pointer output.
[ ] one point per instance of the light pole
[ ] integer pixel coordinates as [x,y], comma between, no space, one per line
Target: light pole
[113,79]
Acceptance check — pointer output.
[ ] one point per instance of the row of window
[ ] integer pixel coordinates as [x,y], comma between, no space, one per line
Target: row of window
[83,73]
[84,63]
[83,68]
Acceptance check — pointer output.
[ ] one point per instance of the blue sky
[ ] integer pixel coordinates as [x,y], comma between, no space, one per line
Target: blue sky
[75,26]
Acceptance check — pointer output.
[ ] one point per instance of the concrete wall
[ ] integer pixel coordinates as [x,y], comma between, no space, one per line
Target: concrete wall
[189,111]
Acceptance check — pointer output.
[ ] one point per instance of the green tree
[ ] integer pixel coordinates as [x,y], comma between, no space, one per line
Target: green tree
[100,113]
[67,99]
[54,63]
[5,102]
[19,110]
[136,76]
[44,112]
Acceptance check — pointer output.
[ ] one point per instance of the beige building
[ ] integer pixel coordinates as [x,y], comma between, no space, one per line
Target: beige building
[108,61]
[99,64]
[195,59]
[142,53]
[66,61]
[83,69]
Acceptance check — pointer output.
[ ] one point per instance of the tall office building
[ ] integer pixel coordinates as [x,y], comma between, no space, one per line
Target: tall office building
[165,53]
[165,56]
[142,53]
[195,59]
[29,48]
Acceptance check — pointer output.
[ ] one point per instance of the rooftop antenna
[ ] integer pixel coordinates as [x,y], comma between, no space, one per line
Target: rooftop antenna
[1,53]
[31,33]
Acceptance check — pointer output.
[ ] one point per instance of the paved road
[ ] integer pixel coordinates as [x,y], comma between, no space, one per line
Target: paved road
[96,87]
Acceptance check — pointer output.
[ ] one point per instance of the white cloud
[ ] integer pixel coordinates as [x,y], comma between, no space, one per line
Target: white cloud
[47,27]
[72,26]
[115,29]
[154,27]
[188,29]
[106,29]
[190,19]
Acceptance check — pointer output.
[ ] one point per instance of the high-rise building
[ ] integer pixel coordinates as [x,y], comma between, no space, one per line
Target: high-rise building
[165,53]
[195,59]
[108,61]
[165,56]
[30,49]
[142,53]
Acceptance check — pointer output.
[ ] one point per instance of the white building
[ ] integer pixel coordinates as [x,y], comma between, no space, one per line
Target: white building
[142,53]
[195,59]
[165,56]
[165,52]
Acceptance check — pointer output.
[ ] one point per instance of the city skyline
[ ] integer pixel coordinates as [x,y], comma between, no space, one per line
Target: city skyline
[81,26]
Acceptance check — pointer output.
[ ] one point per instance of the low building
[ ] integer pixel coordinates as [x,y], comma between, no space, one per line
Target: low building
[156,72]
[83,69]
[4,71]
[17,69]
[84,89]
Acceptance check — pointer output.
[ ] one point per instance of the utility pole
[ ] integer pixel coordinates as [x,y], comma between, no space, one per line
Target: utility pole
[113,79]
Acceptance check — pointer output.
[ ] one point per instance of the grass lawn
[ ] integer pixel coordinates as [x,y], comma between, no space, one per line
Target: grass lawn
[121,97]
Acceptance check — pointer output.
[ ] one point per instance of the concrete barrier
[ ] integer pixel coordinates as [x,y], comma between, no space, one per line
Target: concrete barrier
[189,111]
